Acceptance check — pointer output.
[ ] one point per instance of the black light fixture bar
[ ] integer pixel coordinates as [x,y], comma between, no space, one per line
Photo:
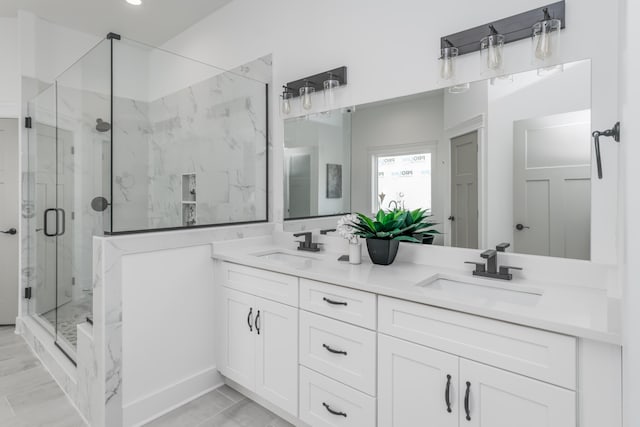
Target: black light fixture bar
[514,28]
[317,80]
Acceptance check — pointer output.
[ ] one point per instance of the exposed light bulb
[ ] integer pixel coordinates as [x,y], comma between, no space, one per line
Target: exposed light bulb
[306,101]
[135,2]
[446,68]
[543,47]
[494,57]
[286,106]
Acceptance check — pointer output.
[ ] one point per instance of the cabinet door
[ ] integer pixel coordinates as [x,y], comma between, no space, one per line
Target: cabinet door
[412,385]
[238,337]
[276,329]
[499,398]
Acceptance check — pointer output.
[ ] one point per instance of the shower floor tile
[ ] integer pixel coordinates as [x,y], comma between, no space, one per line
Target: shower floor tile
[70,315]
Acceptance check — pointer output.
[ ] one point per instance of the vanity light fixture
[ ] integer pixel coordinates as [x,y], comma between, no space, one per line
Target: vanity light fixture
[305,95]
[448,56]
[306,87]
[491,48]
[330,85]
[546,36]
[285,101]
[135,2]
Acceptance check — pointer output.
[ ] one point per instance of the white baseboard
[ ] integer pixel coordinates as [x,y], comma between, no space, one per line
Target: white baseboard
[162,401]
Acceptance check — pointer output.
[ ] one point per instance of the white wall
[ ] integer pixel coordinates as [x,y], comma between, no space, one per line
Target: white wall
[167,326]
[9,71]
[391,52]
[629,90]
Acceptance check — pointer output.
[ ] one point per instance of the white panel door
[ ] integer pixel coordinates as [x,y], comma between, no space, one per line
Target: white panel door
[276,333]
[8,220]
[238,336]
[498,398]
[414,383]
[552,185]
[464,191]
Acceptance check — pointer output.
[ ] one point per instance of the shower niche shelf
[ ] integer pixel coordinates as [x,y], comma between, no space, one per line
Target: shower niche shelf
[189,204]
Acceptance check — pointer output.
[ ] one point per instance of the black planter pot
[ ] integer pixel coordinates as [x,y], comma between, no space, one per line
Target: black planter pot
[382,252]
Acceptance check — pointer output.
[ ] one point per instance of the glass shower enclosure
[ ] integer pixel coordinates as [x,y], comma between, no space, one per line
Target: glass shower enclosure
[129,139]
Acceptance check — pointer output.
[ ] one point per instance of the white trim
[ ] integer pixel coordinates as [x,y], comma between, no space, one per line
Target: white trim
[430,146]
[160,402]
[475,124]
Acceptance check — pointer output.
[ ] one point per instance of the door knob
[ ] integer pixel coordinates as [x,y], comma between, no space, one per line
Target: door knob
[11,231]
[521,227]
[452,218]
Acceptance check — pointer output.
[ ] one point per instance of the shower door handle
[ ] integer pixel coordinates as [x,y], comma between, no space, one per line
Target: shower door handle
[46,223]
[64,221]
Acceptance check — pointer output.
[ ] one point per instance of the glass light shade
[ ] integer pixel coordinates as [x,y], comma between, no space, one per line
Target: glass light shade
[305,96]
[491,48]
[285,103]
[448,62]
[330,86]
[546,39]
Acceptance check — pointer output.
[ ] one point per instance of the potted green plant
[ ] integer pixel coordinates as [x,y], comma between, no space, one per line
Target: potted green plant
[385,232]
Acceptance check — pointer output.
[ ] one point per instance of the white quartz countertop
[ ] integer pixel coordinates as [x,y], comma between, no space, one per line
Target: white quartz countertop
[572,310]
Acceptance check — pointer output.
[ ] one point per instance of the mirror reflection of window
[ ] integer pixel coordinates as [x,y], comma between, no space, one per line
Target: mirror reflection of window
[402,181]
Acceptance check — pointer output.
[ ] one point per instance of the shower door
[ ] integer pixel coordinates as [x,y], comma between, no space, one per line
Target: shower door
[69,145]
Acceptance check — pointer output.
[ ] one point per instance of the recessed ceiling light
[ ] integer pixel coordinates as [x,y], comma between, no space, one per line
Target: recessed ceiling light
[135,2]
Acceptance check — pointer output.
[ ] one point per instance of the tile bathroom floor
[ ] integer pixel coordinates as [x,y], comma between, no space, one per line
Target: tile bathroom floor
[29,397]
[223,407]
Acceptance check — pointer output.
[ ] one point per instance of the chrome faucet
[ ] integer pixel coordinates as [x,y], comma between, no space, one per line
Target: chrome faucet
[395,202]
[491,268]
[307,244]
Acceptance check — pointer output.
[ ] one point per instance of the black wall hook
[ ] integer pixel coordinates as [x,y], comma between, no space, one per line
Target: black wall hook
[614,133]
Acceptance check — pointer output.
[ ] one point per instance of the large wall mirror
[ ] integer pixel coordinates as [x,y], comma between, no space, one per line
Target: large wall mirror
[507,159]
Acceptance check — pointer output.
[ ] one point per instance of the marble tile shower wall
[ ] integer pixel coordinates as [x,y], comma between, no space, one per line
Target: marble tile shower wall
[215,129]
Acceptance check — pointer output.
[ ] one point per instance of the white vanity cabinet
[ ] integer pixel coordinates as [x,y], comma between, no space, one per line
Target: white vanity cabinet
[337,356]
[419,383]
[260,346]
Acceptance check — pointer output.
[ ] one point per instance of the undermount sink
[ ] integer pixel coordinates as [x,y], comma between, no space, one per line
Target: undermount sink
[480,292]
[291,259]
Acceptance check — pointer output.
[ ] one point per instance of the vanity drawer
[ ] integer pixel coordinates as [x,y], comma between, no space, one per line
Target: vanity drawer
[341,351]
[327,403]
[267,284]
[348,305]
[546,356]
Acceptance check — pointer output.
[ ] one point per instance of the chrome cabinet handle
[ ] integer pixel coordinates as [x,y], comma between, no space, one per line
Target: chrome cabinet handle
[334,351]
[331,411]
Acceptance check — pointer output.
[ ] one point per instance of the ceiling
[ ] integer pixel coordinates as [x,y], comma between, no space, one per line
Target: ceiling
[154,22]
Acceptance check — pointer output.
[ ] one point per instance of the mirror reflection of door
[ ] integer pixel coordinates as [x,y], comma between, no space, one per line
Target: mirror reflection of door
[552,185]
[302,184]
[464,191]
